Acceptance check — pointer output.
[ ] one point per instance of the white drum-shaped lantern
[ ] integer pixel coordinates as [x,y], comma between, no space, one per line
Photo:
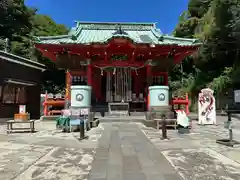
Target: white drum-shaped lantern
[81,96]
[159,96]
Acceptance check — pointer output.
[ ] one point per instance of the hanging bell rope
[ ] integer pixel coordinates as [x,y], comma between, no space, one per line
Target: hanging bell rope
[119,86]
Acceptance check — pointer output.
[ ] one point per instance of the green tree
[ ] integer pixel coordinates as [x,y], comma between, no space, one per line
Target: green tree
[198,8]
[16,25]
[44,26]
[217,25]
[19,24]
[54,80]
[15,18]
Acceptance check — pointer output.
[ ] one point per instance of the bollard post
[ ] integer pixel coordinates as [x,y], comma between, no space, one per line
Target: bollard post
[82,132]
[164,128]
[230,128]
[229,141]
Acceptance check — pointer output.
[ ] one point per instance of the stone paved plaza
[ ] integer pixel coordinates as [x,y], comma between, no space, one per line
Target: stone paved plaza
[119,151]
[197,156]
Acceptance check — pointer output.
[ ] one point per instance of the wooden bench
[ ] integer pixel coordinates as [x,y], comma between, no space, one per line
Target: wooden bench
[10,127]
[170,123]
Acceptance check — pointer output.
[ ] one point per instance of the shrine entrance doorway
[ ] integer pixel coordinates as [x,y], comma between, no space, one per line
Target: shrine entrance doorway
[119,85]
[119,91]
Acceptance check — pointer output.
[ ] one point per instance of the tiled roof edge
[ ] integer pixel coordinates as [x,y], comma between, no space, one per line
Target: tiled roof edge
[112,23]
[193,41]
[20,60]
[52,37]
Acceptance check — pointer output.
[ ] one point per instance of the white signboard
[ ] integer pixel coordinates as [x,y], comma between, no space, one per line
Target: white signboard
[84,111]
[22,109]
[237,96]
[79,111]
[206,107]
[66,112]
[75,111]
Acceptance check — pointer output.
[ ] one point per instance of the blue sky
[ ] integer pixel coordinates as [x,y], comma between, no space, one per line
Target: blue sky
[164,12]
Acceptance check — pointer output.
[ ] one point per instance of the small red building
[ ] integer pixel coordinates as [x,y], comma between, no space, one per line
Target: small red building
[119,60]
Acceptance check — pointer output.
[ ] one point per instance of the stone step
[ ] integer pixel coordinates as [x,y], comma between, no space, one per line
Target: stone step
[122,119]
[49,118]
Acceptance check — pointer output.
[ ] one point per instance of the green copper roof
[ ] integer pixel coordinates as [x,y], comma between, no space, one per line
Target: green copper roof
[92,32]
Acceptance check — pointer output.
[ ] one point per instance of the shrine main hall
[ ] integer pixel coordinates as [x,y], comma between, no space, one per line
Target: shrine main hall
[118,60]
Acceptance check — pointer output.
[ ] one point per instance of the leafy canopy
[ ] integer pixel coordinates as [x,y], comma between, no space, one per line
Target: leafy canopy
[216,23]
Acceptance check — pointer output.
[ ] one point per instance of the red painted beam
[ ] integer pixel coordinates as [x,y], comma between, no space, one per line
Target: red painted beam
[50,55]
[181,52]
[78,73]
[102,47]
[117,64]
[180,56]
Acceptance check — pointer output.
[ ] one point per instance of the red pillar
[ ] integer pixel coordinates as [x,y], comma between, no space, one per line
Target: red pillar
[68,86]
[149,74]
[45,107]
[99,86]
[96,83]
[166,79]
[187,104]
[89,74]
